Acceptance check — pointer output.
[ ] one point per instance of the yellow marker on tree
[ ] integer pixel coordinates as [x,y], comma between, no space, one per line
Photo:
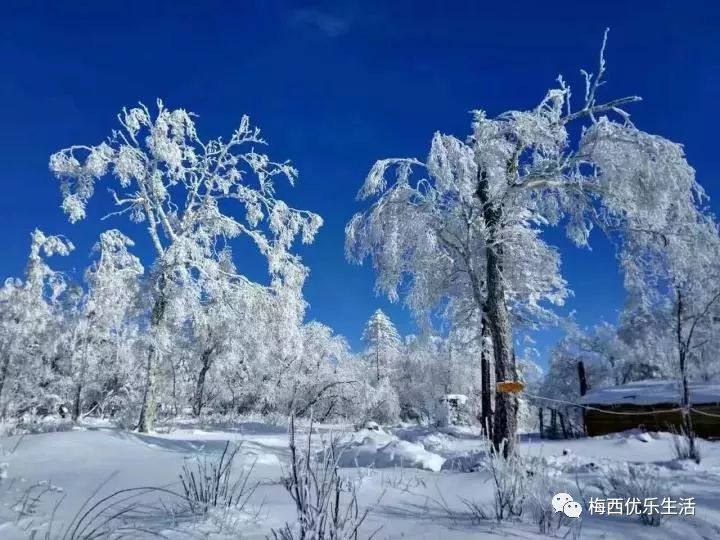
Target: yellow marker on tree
[510,387]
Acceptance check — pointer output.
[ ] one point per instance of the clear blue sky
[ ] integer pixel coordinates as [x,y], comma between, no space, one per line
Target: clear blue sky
[334,86]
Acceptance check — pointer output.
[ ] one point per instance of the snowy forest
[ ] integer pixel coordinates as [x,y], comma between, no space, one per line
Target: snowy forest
[180,364]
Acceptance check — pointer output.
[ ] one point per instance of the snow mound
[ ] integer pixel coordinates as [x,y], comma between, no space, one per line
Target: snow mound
[379,453]
[451,442]
[470,462]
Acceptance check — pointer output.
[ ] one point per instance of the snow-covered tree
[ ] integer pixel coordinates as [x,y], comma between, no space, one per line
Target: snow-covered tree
[382,343]
[314,384]
[29,325]
[182,187]
[513,176]
[111,298]
[680,268]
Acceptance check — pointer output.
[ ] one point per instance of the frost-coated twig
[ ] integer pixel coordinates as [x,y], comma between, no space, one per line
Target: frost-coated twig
[209,484]
[317,489]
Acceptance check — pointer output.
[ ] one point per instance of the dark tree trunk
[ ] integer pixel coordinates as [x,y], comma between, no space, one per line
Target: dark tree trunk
[176,409]
[582,378]
[498,320]
[683,347]
[563,426]
[148,407]
[486,412]
[4,370]
[377,361]
[541,421]
[77,403]
[200,386]
[553,423]
[583,387]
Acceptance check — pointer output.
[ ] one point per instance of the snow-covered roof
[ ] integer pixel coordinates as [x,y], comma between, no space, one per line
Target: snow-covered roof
[651,392]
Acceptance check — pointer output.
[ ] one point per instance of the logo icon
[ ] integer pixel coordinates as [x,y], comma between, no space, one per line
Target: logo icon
[563,502]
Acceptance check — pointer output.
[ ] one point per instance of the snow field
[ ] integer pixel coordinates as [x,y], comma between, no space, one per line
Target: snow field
[412,477]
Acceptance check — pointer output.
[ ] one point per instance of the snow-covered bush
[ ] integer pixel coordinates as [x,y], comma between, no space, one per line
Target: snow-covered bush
[686,444]
[542,485]
[363,398]
[382,404]
[326,504]
[452,410]
[47,424]
[637,482]
[209,483]
[510,482]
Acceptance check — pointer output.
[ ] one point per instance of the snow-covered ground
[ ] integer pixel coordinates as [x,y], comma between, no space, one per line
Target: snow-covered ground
[419,476]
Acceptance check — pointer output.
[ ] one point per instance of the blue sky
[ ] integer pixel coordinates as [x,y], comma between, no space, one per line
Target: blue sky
[334,86]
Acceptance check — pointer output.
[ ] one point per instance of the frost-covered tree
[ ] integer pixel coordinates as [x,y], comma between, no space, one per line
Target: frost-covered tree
[428,366]
[182,188]
[680,268]
[29,325]
[110,300]
[382,343]
[516,174]
[314,384]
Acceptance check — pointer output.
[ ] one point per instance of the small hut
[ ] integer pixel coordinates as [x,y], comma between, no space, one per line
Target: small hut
[653,404]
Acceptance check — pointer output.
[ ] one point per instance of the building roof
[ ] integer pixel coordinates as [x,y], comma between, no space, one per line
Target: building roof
[651,392]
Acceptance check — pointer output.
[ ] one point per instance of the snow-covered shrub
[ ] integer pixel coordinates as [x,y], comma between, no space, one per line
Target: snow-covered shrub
[398,478]
[47,424]
[326,504]
[471,462]
[382,404]
[452,410]
[542,485]
[126,416]
[519,485]
[636,482]
[364,400]
[686,444]
[208,482]
[510,481]
[30,423]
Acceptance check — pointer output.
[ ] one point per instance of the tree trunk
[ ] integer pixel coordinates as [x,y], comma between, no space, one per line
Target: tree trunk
[685,397]
[148,407]
[485,389]
[176,409]
[541,420]
[583,387]
[6,365]
[4,370]
[77,403]
[582,378]
[200,386]
[553,423]
[563,426]
[377,361]
[498,320]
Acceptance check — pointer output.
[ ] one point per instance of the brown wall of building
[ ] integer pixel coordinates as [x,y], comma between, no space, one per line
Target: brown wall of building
[654,419]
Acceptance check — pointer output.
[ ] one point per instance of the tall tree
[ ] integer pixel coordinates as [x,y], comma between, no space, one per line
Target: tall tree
[382,343]
[518,173]
[680,269]
[182,187]
[113,281]
[29,315]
